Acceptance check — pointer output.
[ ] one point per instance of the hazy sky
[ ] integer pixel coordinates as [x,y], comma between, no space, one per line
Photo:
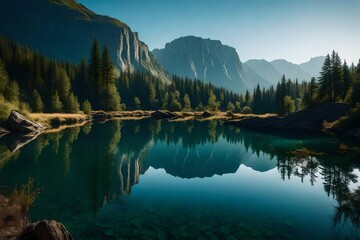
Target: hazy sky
[295,30]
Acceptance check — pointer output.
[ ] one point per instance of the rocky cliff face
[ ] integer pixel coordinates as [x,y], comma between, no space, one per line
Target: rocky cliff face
[65,30]
[204,59]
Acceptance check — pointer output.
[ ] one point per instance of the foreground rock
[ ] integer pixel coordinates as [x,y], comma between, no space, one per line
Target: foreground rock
[17,123]
[163,115]
[309,120]
[46,230]
[13,219]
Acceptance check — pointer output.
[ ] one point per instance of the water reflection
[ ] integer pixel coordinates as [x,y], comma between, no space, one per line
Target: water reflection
[94,164]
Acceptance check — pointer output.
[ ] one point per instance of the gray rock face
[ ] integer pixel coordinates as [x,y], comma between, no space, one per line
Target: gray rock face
[309,120]
[207,60]
[17,123]
[65,30]
[46,230]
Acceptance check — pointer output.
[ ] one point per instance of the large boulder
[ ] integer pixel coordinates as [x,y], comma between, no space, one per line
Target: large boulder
[163,114]
[46,230]
[20,124]
[13,219]
[309,120]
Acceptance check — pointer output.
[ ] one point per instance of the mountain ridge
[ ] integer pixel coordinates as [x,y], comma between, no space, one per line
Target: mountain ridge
[51,26]
[208,60]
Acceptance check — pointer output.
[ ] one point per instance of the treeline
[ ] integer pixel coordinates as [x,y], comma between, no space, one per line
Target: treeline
[29,81]
[338,82]
[141,90]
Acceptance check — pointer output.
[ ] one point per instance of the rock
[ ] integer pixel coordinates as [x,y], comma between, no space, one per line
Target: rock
[207,114]
[229,114]
[46,230]
[12,219]
[3,132]
[19,124]
[159,114]
[309,120]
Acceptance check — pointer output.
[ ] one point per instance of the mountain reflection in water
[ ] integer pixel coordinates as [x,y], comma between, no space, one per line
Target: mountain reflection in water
[101,163]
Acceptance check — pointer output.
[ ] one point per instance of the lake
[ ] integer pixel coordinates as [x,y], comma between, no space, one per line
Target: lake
[149,179]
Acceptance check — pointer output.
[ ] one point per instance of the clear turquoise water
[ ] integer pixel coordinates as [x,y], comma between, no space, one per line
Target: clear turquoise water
[152,179]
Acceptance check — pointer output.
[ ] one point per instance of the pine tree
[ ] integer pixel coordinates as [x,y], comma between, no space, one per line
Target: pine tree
[108,92]
[336,76]
[346,80]
[310,96]
[289,105]
[230,107]
[4,77]
[86,107]
[212,104]
[12,93]
[175,104]
[152,96]
[38,105]
[257,102]
[325,90]
[73,104]
[95,74]
[56,104]
[187,103]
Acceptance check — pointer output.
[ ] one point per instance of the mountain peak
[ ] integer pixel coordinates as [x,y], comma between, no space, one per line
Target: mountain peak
[208,60]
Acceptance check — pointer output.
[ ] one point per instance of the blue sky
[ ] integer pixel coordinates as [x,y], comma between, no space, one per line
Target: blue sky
[295,30]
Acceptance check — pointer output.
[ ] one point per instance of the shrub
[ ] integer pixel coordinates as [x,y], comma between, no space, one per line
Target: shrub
[26,194]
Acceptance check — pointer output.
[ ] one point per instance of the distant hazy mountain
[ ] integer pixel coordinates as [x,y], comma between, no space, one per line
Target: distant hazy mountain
[207,60]
[313,67]
[290,70]
[264,69]
[273,71]
[65,30]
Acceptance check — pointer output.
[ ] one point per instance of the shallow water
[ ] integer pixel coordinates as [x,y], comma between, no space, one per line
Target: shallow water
[152,179]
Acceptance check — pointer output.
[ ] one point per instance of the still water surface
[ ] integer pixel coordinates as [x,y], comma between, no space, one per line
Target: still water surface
[152,179]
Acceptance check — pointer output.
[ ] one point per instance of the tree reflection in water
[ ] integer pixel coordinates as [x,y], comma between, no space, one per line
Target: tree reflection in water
[111,157]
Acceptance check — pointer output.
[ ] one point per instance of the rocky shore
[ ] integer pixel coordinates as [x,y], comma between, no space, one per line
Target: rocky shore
[15,225]
[312,120]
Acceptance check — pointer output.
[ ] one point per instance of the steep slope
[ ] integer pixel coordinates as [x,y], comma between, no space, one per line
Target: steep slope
[313,67]
[204,59]
[290,70]
[65,30]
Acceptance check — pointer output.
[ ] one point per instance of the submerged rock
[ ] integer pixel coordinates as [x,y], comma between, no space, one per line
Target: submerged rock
[310,119]
[163,114]
[18,123]
[46,230]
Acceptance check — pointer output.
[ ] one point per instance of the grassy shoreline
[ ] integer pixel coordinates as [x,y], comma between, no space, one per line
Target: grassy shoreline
[60,119]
